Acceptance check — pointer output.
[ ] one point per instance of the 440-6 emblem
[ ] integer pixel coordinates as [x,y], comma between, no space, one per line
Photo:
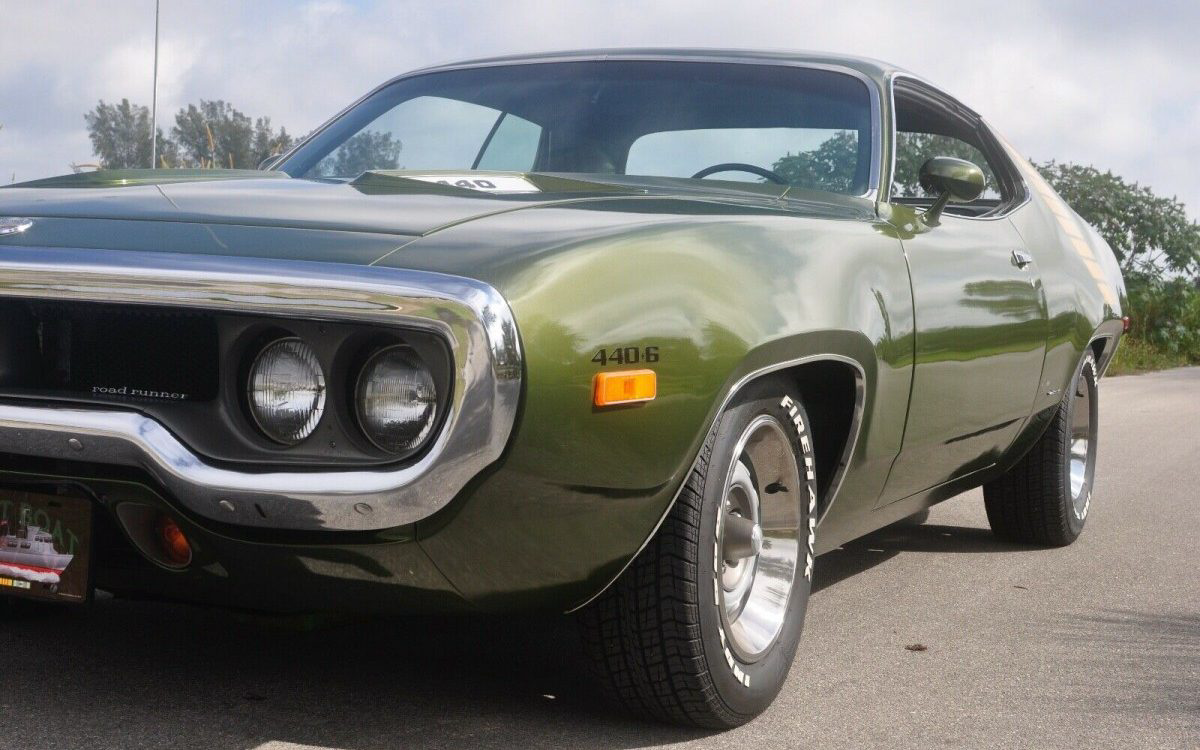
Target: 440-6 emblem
[626,355]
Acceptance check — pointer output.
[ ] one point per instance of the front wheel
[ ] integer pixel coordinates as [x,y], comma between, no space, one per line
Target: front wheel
[702,628]
[1046,497]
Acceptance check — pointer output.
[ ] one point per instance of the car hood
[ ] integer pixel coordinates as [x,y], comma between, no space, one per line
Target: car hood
[374,203]
[252,213]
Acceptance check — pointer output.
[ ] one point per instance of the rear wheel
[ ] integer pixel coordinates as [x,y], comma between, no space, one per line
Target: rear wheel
[1045,498]
[702,628]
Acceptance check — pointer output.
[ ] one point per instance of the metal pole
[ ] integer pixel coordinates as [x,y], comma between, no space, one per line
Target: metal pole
[154,98]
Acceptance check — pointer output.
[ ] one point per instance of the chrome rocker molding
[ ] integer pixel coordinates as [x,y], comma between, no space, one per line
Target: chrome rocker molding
[473,317]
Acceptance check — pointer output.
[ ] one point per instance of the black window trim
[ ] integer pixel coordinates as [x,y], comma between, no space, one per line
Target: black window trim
[996,155]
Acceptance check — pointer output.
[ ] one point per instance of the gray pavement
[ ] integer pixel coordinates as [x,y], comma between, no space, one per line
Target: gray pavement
[1092,646]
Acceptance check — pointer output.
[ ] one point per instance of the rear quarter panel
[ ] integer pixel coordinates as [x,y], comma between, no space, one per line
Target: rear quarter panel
[1085,293]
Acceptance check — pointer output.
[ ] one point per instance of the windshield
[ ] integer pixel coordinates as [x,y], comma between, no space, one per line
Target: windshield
[740,122]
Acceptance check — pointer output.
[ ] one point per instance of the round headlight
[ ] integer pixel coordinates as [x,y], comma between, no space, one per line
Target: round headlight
[396,399]
[286,391]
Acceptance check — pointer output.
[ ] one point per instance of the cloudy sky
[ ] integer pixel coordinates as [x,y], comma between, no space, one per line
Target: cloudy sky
[1105,82]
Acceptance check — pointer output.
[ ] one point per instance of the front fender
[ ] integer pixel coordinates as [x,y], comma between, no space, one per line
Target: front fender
[719,297]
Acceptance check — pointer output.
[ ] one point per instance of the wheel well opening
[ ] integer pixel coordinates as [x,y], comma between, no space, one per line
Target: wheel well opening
[1098,348]
[829,390]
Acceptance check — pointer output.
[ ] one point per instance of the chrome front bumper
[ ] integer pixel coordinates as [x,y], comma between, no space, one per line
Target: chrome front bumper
[473,318]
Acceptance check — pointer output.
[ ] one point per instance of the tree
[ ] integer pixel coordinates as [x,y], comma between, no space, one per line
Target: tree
[914,149]
[267,142]
[213,135]
[120,135]
[364,151]
[216,135]
[830,166]
[1158,248]
[1149,233]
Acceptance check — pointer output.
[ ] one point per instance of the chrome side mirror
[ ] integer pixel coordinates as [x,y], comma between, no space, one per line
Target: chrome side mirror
[951,179]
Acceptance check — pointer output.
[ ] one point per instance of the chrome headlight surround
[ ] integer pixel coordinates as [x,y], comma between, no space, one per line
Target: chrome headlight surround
[485,364]
[285,390]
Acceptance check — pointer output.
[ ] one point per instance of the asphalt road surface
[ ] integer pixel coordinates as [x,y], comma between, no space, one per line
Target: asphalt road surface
[1092,646]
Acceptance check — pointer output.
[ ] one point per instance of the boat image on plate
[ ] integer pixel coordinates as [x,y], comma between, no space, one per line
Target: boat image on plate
[30,555]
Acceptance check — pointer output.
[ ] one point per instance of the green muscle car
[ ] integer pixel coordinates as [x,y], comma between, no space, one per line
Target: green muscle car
[634,334]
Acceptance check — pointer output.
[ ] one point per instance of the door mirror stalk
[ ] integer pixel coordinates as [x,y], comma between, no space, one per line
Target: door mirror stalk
[951,179]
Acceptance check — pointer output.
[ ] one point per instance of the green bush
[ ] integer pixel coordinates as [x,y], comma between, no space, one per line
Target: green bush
[1165,319]
[1136,356]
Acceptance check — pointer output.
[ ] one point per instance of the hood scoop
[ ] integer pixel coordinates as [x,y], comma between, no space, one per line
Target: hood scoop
[487,183]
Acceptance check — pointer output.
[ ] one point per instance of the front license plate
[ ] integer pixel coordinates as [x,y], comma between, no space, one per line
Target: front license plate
[45,546]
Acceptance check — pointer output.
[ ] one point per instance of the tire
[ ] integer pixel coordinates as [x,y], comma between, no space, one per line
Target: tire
[667,637]
[1045,498]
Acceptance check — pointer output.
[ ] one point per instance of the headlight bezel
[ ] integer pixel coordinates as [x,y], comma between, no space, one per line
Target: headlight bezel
[342,349]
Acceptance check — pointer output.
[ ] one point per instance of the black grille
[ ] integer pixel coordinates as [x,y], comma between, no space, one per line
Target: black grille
[108,351]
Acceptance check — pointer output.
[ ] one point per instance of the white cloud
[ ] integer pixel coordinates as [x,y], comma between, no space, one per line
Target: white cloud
[1106,83]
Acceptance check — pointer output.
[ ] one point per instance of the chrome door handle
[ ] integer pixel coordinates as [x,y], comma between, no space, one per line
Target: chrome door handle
[1020,258]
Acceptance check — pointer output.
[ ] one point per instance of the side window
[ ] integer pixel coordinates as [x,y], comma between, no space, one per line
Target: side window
[914,149]
[928,126]
[812,158]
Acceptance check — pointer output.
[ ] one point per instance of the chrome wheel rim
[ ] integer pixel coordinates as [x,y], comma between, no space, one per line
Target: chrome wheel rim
[1082,442]
[758,541]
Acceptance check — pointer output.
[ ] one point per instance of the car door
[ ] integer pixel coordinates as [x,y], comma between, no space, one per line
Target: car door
[980,314]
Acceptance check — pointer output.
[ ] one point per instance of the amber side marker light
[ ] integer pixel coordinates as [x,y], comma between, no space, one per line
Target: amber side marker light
[175,546]
[625,387]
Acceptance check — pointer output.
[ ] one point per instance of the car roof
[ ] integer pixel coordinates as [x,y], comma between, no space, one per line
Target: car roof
[873,69]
